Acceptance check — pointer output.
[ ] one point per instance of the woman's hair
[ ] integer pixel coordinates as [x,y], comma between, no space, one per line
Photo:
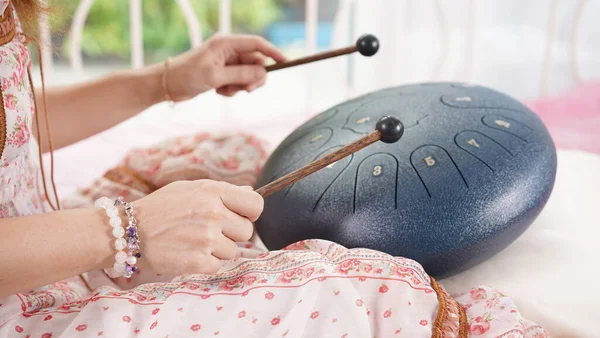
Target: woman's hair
[29,12]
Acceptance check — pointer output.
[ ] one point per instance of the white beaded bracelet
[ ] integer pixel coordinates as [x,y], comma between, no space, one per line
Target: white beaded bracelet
[124,261]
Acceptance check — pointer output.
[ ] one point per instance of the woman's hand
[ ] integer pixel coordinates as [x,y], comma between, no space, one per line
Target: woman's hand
[229,63]
[188,227]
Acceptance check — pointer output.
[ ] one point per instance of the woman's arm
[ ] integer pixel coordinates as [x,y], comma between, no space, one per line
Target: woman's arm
[184,228]
[227,63]
[79,111]
[42,249]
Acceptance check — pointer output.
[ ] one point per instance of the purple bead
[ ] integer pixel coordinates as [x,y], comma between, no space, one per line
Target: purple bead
[131,232]
[130,268]
[138,255]
[133,268]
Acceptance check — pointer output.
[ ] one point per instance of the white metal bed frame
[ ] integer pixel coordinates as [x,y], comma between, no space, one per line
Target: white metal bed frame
[342,21]
[135,20]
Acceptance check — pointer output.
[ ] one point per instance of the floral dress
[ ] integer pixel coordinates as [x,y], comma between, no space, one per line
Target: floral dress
[312,288]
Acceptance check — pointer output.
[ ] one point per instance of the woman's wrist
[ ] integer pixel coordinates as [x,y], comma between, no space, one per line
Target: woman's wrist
[146,84]
[126,239]
[104,246]
[89,233]
[99,239]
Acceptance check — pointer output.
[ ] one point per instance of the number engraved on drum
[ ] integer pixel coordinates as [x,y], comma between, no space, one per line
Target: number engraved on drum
[363,120]
[316,138]
[464,98]
[430,161]
[377,170]
[473,143]
[502,123]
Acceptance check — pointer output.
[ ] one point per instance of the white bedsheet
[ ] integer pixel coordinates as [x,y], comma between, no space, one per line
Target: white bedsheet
[552,270]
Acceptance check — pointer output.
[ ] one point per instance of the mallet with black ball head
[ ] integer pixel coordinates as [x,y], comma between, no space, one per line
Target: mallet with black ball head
[366,45]
[388,129]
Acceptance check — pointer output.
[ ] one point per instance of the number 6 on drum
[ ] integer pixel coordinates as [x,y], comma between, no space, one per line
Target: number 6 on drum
[389,129]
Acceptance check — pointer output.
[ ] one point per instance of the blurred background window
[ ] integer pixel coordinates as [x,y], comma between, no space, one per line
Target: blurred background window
[527,49]
[106,34]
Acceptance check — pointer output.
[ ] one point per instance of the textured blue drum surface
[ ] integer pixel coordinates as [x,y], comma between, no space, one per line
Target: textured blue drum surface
[472,171]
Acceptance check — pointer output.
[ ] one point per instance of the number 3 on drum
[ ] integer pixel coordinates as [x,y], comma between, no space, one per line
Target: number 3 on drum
[377,170]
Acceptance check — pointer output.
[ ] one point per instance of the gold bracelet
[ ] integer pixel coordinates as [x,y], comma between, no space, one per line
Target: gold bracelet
[164,82]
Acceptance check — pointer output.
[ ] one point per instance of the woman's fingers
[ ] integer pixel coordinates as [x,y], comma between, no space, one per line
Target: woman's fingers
[204,264]
[192,262]
[242,201]
[245,66]
[242,74]
[248,75]
[249,88]
[249,43]
[254,58]
[237,228]
[225,248]
[229,90]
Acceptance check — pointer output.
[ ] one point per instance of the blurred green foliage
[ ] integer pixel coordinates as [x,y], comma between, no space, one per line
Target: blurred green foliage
[106,32]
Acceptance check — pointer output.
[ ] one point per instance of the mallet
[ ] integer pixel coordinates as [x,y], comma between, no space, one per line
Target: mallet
[366,45]
[388,129]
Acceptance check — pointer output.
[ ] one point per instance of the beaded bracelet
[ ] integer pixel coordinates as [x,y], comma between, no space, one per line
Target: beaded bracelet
[124,261]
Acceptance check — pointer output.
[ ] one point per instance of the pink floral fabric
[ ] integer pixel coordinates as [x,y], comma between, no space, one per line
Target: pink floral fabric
[492,314]
[234,158]
[312,288]
[18,163]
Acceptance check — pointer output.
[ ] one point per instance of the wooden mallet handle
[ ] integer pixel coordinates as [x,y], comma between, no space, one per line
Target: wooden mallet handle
[319,164]
[366,45]
[389,130]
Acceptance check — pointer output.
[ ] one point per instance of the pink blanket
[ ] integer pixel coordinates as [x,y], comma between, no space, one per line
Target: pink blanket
[573,118]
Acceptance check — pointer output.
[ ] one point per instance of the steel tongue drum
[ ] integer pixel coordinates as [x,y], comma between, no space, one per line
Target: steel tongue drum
[470,171]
